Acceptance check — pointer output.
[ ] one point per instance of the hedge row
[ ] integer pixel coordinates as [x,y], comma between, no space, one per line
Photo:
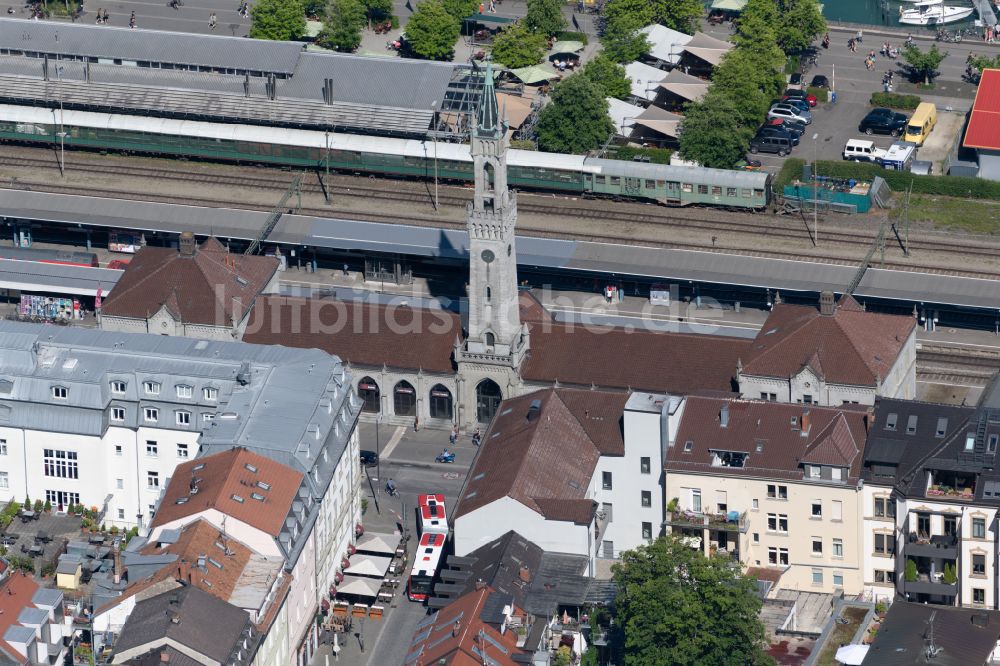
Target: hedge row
[822,94]
[899,181]
[894,100]
[567,36]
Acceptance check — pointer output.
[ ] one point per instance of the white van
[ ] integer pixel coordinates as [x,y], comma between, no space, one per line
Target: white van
[861,150]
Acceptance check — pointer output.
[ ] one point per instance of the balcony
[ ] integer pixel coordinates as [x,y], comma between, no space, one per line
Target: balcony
[943,546]
[924,585]
[734,521]
[952,485]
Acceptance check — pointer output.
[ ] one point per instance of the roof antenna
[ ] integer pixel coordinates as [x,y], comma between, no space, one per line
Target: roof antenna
[932,650]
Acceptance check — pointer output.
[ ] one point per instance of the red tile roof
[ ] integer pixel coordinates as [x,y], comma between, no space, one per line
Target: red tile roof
[456,635]
[224,476]
[984,122]
[201,289]
[546,462]
[833,437]
[849,347]
[16,593]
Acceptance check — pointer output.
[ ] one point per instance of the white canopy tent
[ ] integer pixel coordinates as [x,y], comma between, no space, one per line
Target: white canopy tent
[378,543]
[666,44]
[645,80]
[707,48]
[359,586]
[368,565]
[623,115]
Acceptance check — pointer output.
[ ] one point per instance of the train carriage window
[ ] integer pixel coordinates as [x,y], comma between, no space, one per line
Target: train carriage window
[650,184]
[615,180]
[599,180]
[747,193]
[662,183]
[730,191]
[758,193]
[716,189]
[703,189]
[687,187]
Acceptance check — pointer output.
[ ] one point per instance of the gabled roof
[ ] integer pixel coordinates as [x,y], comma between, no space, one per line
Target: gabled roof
[984,122]
[249,487]
[849,347]
[772,436]
[16,593]
[541,450]
[508,564]
[963,636]
[456,634]
[210,287]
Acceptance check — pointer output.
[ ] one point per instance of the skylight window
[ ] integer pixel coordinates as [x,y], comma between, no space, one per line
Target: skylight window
[890,421]
[250,468]
[237,498]
[688,445]
[263,485]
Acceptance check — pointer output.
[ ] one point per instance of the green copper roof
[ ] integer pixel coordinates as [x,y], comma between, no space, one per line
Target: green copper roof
[488,119]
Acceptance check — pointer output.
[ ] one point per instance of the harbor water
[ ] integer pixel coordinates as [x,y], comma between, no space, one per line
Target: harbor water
[885,13]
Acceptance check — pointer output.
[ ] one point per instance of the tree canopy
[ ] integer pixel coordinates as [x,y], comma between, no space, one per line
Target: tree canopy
[545,17]
[461,9]
[607,75]
[277,19]
[750,81]
[431,32]
[378,10]
[790,24]
[342,27]
[680,15]
[924,63]
[576,120]
[516,47]
[621,38]
[679,608]
[712,132]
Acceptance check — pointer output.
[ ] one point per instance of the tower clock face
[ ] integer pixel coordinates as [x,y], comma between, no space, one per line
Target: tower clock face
[488,256]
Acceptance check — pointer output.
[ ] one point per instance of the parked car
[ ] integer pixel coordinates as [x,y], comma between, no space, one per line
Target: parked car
[793,93]
[820,81]
[772,130]
[782,145]
[793,126]
[883,121]
[795,80]
[791,113]
[799,104]
[861,150]
[369,458]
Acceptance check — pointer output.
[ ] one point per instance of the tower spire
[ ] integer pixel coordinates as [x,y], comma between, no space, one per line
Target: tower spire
[489,124]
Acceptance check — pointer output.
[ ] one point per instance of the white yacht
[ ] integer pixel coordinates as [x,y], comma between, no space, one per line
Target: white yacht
[933,12]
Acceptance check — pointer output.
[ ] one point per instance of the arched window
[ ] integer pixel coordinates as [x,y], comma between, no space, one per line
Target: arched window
[489,294]
[404,399]
[369,393]
[441,402]
[490,339]
[488,399]
[489,176]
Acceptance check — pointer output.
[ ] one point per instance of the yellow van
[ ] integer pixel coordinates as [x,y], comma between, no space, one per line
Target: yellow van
[921,123]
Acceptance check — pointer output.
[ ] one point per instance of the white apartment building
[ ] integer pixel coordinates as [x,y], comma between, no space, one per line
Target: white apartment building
[837,354]
[773,485]
[574,471]
[931,503]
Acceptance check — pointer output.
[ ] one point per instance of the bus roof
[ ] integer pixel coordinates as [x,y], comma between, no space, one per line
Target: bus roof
[433,517]
[428,555]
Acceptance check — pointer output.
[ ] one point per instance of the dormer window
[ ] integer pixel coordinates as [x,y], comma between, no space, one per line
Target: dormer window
[688,445]
[728,458]
[151,388]
[183,418]
[210,393]
[814,471]
[118,414]
[60,392]
[942,427]
[890,421]
[911,424]
[184,391]
[118,387]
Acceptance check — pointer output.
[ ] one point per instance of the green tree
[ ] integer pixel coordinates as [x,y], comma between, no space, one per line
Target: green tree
[712,132]
[801,23]
[910,572]
[378,10]
[680,15]
[607,75]
[623,19]
[750,81]
[924,63]
[545,17]
[680,608]
[985,62]
[755,28]
[576,120]
[342,28]
[516,47]
[461,9]
[431,32]
[280,20]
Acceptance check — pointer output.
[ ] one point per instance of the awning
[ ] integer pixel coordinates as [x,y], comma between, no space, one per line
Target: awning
[684,85]
[490,18]
[567,46]
[516,108]
[707,48]
[380,543]
[729,5]
[644,79]
[535,74]
[358,586]
[368,565]
[665,44]
[852,655]
[662,121]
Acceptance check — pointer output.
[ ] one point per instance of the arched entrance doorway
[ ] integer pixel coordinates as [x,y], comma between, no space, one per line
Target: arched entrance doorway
[369,393]
[404,399]
[441,402]
[488,399]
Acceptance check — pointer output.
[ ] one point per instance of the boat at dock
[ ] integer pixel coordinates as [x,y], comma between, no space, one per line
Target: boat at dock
[933,12]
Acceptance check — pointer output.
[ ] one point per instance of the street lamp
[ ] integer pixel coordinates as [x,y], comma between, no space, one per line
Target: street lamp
[815,190]
[434,137]
[61,133]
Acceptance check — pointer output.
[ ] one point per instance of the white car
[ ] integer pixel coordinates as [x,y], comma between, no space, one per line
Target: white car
[789,113]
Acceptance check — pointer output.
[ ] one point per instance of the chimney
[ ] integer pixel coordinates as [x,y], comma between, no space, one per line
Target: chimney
[456,628]
[724,416]
[480,584]
[118,564]
[806,422]
[164,657]
[187,244]
[524,574]
[826,304]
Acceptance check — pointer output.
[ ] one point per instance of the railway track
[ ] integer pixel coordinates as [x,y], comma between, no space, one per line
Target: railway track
[654,219]
[957,365]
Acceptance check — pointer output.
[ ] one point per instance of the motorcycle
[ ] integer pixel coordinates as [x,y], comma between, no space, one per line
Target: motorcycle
[445,456]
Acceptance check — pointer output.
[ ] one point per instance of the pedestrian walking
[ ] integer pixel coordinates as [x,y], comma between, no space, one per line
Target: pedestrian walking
[99,10]
[453,437]
[858,36]
[212,21]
